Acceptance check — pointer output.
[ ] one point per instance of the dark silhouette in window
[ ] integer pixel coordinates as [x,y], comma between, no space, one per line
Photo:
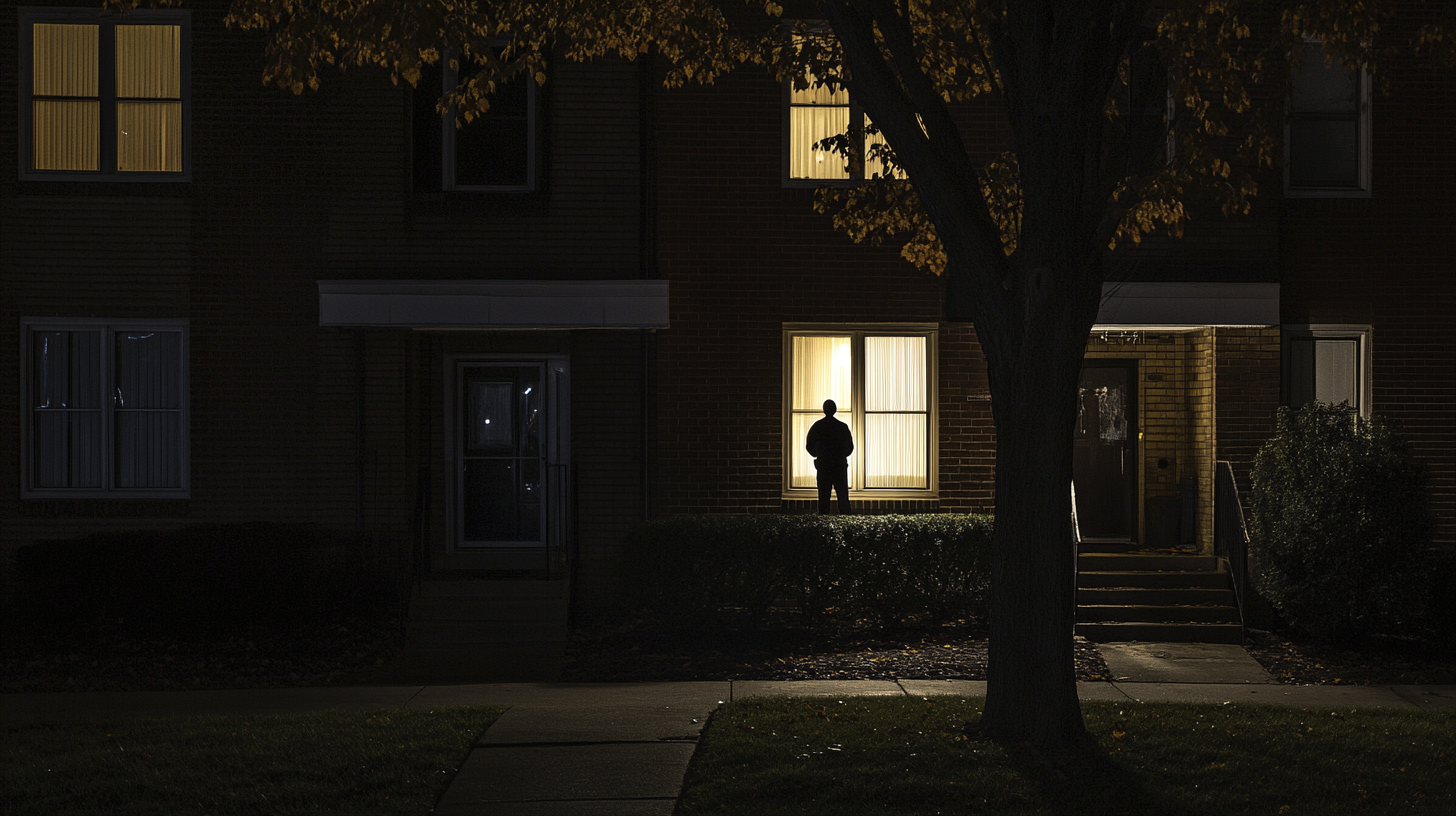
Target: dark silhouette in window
[831,443]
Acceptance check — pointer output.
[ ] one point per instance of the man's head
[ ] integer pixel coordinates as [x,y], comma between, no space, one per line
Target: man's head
[830,407]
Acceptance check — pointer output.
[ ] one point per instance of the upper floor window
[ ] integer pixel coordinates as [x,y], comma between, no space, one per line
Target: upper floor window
[497,149]
[817,113]
[106,408]
[1328,363]
[104,97]
[881,379]
[1327,141]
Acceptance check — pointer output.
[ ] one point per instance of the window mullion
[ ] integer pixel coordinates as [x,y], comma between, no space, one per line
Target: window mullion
[106,377]
[106,89]
[857,388]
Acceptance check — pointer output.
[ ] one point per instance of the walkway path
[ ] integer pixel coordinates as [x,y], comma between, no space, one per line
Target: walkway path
[611,749]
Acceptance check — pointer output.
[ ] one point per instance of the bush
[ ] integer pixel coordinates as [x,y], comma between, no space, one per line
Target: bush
[897,567]
[1340,527]
[203,579]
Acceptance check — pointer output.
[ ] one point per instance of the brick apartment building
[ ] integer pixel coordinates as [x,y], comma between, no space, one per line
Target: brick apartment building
[608,301]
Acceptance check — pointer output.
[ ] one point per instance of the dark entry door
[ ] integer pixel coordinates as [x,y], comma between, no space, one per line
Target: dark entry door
[1104,452]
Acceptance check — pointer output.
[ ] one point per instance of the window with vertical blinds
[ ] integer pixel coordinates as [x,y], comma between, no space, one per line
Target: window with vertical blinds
[1326,363]
[107,408]
[105,96]
[881,380]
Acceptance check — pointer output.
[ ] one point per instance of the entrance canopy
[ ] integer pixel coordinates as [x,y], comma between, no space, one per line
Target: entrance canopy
[475,304]
[1176,305]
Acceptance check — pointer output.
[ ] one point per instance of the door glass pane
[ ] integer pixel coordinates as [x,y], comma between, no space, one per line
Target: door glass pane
[502,494]
[895,450]
[492,420]
[491,511]
[823,369]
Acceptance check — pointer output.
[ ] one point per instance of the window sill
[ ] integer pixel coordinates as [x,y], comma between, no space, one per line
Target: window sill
[110,507]
[888,494]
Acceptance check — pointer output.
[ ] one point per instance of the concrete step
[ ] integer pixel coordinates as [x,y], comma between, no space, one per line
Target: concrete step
[1152,580]
[1157,614]
[433,588]
[455,664]
[465,607]
[470,634]
[1112,632]
[1144,562]
[1171,596]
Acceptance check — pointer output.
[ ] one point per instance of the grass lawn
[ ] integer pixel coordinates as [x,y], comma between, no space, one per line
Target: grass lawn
[896,755]
[356,762]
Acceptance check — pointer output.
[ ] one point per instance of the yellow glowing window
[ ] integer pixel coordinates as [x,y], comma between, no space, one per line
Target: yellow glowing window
[106,95]
[881,384]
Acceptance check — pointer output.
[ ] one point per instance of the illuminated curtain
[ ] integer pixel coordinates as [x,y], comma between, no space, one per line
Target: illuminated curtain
[874,166]
[149,98]
[823,368]
[66,409]
[815,114]
[66,106]
[895,444]
[147,393]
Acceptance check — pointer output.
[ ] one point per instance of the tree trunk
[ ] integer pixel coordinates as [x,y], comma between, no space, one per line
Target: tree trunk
[1031,693]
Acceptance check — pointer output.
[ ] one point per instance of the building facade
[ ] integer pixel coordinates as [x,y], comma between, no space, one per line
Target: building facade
[500,347]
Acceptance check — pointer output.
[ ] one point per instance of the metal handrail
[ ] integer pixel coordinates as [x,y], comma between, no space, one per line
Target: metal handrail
[1230,536]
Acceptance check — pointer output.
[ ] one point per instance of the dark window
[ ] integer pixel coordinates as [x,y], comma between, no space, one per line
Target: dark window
[1329,128]
[498,151]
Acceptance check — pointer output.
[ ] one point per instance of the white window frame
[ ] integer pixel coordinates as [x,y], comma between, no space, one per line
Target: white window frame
[504,556]
[1364,94]
[29,16]
[108,328]
[857,162]
[449,133]
[857,332]
[1361,333]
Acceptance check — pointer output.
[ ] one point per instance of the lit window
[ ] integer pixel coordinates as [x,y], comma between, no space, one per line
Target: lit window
[880,380]
[104,98]
[1328,364]
[817,113]
[1327,142]
[107,408]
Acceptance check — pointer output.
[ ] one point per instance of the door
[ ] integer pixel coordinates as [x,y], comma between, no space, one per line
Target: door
[1104,449]
[512,454]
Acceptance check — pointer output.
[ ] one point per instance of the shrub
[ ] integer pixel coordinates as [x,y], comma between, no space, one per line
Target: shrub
[204,579]
[897,567]
[1340,527]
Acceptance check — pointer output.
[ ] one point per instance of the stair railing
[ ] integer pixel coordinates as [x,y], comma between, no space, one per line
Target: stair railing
[1230,536]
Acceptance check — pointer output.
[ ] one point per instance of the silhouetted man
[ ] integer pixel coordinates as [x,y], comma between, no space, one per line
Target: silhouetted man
[830,443]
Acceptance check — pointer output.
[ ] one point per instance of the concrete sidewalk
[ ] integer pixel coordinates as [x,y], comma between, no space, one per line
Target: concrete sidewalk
[611,749]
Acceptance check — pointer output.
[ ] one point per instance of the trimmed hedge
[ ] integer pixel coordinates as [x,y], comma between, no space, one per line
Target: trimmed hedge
[897,567]
[203,579]
[1339,528]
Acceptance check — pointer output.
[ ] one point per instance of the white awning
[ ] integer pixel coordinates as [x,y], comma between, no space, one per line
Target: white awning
[1189,304]
[462,304]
